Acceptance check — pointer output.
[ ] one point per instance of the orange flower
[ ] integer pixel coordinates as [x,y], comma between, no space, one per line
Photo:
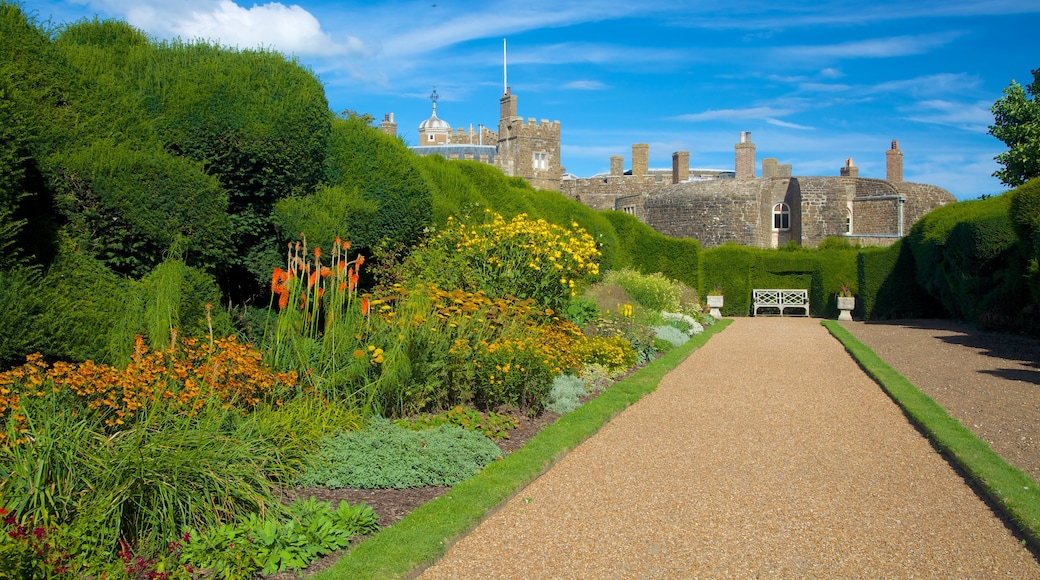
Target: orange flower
[277,278]
[364,307]
[360,260]
[346,245]
[313,278]
[317,252]
[320,292]
[283,300]
[342,286]
[324,271]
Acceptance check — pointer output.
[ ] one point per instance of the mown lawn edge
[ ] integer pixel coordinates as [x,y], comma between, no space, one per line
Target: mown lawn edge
[424,535]
[1009,489]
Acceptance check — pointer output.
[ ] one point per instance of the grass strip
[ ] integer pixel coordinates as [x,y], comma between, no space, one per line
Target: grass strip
[1009,489]
[422,536]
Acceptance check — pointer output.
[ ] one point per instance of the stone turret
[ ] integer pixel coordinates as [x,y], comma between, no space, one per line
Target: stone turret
[894,163]
[388,125]
[745,152]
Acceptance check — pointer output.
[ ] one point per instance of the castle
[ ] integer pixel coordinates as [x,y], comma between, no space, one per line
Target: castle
[527,149]
[713,206]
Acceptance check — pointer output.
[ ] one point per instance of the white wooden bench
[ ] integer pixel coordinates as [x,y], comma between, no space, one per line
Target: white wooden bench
[779,301]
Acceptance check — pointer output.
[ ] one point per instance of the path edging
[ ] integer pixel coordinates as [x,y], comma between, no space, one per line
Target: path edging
[1009,489]
[416,541]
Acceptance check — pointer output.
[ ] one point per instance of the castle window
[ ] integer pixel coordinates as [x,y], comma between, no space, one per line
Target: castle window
[848,220]
[541,160]
[429,137]
[630,209]
[781,217]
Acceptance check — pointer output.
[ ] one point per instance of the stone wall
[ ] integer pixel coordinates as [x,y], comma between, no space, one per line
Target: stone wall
[601,192]
[716,212]
[920,199]
[518,144]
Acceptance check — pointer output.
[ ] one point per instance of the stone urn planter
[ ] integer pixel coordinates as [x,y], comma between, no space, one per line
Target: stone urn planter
[715,303]
[846,304]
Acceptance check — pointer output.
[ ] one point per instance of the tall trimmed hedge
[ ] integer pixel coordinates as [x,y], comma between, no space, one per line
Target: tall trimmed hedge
[888,287]
[968,257]
[1024,212]
[642,248]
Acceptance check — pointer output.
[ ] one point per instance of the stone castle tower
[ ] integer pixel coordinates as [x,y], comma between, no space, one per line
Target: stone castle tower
[528,149]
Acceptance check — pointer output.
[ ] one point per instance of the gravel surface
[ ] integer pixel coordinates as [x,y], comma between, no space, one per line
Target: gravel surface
[989,382]
[752,459]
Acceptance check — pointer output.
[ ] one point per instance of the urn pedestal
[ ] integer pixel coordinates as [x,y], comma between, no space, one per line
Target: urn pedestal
[846,304]
[715,303]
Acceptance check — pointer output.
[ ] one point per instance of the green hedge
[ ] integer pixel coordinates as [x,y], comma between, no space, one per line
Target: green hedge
[739,269]
[968,257]
[643,249]
[888,287]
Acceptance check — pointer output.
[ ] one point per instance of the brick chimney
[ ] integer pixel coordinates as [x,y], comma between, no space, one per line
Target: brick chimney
[617,165]
[770,167]
[745,151]
[894,163]
[640,159]
[680,166]
[849,170]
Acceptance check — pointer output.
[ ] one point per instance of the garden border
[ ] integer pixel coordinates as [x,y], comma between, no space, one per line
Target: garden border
[415,542]
[1006,488]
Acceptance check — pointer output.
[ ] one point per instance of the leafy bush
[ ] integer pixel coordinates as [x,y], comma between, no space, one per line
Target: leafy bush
[597,377]
[524,258]
[645,250]
[612,352]
[968,258]
[565,394]
[20,307]
[384,456]
[671,334]
[652,291]
[493,425]
[269,545]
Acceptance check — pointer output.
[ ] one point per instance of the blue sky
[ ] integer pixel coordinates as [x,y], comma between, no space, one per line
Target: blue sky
[815,83]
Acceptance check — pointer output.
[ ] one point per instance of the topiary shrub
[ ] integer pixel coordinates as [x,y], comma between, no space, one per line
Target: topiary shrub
[385,456]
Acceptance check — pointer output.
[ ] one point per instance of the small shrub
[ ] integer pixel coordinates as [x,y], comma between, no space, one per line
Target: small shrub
[493,425]
[671,334]
[385,456]
[565,395]
[652,291]
[684,322]
[612,352]
[596,377]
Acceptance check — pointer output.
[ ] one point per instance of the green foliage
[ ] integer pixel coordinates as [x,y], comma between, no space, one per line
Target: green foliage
[671,334]
[269,545]
[127,205]
[652,291]
[581,310]
[613,352]
[647,251]
[888,288]
[596,377]
[384,173]
[967,257]
[740,269]
[565,395]
[384,456]
[324,215]
[1024,212]
[522,257]
[1016,122]
[491,424]
[20,306]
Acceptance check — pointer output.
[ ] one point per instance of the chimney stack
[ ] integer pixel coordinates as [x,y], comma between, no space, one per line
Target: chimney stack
[388,125]
[745,152]
[849,170]
[894,163]
[617,165]
[680,166]
[640,159]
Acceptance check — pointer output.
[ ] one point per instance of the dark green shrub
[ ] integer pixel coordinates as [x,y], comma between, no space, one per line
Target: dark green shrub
[888,287]
[20,306]
[1024,212]
[643,249]
[384,173]
[968,258]
[384,456]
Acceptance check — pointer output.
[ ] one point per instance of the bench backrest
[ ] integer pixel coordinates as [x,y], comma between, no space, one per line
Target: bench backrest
[780,297]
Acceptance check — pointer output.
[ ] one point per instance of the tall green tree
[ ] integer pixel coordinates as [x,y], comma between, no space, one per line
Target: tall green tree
[1016,122]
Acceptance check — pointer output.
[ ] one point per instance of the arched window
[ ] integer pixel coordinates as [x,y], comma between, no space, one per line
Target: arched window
[848,220]
[781,217]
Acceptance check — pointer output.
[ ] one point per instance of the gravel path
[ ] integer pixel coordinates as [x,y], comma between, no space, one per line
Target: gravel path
[989,382]
[752,459]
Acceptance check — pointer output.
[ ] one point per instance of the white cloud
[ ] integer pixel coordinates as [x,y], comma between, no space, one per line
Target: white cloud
[780,123]
[975,117]
[872,48]
[749,113]
[289,29]
[586,85]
